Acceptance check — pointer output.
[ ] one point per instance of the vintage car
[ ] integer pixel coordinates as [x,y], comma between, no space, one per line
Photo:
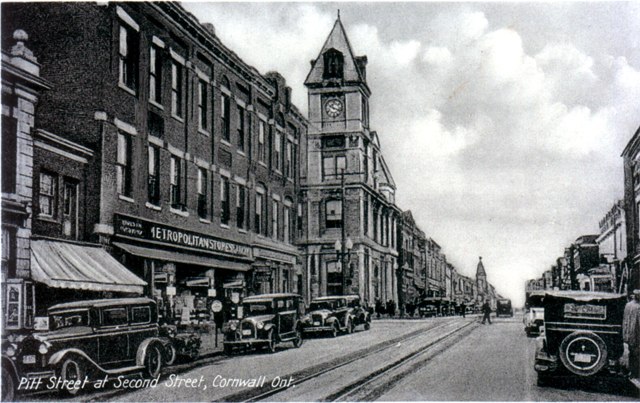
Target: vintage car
[87,339]
[335,314]
[503,307]
[179,343]
[266,320]
[582,335]
[428,307]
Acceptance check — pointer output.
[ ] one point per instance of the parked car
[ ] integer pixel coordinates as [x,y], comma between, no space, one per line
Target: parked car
[335,314]
[503,307]
[582,335]
[87,338]
[428,307]
[266,320]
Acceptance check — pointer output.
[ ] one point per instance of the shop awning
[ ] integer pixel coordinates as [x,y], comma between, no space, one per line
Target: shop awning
[178,257]
[80,267]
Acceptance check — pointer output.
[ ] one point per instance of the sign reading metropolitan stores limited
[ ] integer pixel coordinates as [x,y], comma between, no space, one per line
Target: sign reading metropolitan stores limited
[138,228]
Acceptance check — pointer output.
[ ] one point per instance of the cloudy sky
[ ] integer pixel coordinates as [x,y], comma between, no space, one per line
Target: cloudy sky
[502,123]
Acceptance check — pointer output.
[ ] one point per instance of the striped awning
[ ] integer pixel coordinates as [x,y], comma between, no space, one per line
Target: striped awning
[80,267]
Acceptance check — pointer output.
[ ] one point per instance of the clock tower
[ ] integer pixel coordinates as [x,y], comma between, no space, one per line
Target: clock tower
[348,192]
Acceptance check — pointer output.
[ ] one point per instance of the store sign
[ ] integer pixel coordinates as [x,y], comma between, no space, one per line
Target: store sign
[147,230]
[273,255]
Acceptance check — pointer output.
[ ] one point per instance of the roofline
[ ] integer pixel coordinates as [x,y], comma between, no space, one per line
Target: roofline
[631,144]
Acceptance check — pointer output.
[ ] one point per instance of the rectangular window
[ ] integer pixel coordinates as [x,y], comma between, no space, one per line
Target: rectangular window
[258,225]
[365,218]
[240,206]
[365,162]
[9,154]
[341,164]
[123,165]
[140,314]
[128,57]
[155,74]
[155,125]
[288,159]
[69,197]
[202,193]
[176,182]
[8,251]
[225,116]
[286,224]
[176,89]
[202,105]
[47,194]
[299,219]
[114,316]
[332,167]
[277,146]
[261,147]
[153,180]
[224,201]
[334,214]
[241,123]
[274,220]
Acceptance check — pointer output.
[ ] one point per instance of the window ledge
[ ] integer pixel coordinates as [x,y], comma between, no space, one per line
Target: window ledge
[203,132]
[241,153]
[176,117]
[126,198]
[47,218]
[242,231]
[179,212]
[153,206]
[225,142]
[264,164]
[204,220]
[225,226]
[157,105]
[126,89]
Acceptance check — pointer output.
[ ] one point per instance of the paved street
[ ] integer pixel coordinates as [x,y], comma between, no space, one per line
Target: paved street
[433,359]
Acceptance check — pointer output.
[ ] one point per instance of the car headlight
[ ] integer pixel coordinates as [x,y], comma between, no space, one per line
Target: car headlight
[232,327]
[43,349]
[260,325]
[10,351]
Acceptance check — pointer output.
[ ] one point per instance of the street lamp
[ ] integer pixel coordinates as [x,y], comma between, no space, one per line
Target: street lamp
[343,253]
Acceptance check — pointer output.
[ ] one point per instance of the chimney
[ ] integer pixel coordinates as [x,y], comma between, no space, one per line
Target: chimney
[210,28]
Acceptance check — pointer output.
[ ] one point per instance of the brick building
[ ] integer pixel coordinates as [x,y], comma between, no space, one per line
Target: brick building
[631,265]
[185,159]
[348,191]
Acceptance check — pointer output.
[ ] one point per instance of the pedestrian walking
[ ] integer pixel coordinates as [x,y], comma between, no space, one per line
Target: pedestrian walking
[631,334]
[463,310]
[378,307]
[486,309]
[391,308]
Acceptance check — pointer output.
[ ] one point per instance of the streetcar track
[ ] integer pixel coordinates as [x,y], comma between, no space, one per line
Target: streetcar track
[308,374]
[352,392]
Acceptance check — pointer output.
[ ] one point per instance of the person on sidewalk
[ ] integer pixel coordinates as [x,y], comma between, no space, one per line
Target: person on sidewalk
[463,310]
[486,309]
[631,334]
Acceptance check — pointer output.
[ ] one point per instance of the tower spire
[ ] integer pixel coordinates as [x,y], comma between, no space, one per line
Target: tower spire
[338,13]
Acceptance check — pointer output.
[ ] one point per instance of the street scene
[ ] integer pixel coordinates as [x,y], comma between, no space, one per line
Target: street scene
[359,201]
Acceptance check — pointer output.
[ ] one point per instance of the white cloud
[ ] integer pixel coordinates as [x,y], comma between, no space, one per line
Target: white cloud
[437,55]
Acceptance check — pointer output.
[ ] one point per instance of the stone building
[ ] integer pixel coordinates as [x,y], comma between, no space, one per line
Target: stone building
[348,191]
[185,160]
[22,85]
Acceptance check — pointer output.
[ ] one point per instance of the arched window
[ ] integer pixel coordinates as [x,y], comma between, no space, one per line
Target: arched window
[333,64]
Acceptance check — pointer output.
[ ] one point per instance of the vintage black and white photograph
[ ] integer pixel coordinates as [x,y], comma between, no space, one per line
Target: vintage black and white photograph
[320,201]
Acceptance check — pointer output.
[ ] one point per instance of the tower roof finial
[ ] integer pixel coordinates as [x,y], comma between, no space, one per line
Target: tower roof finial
[338,13]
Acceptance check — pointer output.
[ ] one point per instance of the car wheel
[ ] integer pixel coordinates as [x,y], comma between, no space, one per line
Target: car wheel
[583,353]
[297,342]
[271,345]
[170,354]
[367,325]
[350,327]
[8,385]
[72,370]
[334,331]
[152,362]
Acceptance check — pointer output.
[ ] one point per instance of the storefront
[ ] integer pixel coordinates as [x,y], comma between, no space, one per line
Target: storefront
[188,271]
[273,271]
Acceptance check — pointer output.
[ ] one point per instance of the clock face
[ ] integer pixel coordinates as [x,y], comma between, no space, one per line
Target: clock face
[333,107]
